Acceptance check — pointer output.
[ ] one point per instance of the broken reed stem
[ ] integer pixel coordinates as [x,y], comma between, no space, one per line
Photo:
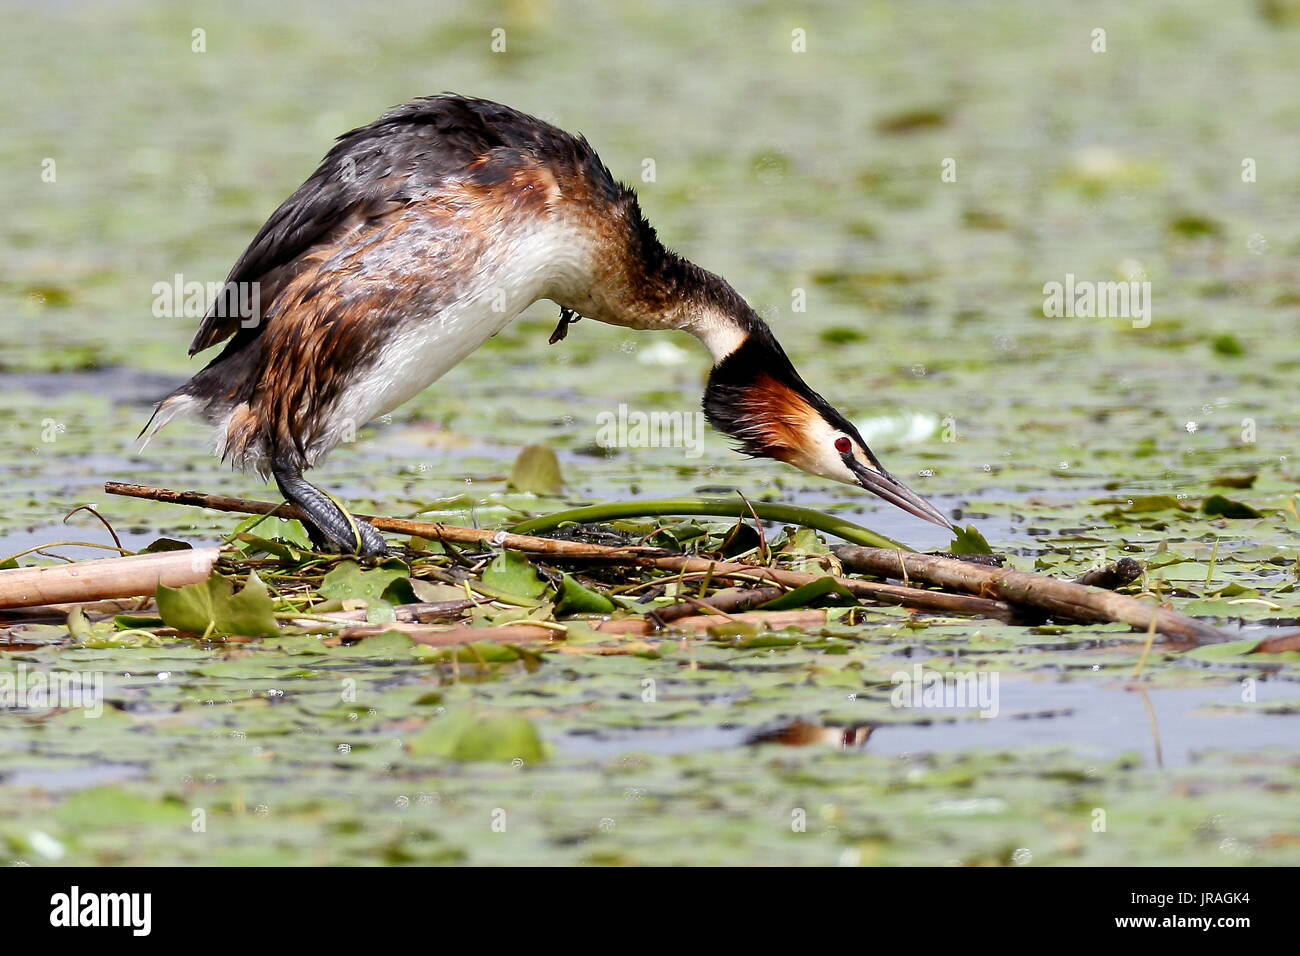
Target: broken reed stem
[104,578]
[1064,599]
[727,601]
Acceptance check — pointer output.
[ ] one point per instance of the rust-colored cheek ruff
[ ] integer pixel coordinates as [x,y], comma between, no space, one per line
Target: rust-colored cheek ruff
[769,418]
[782,417]
[756,396]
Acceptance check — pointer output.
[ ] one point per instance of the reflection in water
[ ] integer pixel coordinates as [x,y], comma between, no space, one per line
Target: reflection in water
[802,733]
[1097,720]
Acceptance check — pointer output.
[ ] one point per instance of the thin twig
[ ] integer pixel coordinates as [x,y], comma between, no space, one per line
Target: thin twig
[102,520]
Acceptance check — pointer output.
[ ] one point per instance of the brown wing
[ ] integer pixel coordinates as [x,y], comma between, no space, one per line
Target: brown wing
[402,157]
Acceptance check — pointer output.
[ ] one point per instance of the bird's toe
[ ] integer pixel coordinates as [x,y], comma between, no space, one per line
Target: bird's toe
[372,542]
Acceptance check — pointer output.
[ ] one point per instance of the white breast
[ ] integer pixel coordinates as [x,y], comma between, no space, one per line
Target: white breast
[423,350]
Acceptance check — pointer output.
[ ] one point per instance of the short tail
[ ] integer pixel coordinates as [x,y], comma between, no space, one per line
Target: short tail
[210,394]
[177,403]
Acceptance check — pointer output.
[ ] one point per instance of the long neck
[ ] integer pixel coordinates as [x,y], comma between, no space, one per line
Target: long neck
[710,309]
[642,284]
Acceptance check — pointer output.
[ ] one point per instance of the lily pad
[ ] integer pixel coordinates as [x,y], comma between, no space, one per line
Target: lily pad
[349,580]
[1227,508]
[469,736]
[512,573]
[213,607]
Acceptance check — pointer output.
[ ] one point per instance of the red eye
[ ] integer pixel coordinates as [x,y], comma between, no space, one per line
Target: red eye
[842,445]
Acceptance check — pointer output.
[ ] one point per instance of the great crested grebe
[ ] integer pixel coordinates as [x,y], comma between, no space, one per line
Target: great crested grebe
[423,234]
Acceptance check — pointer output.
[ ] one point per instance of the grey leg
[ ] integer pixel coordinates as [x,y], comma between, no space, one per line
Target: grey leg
[330,527]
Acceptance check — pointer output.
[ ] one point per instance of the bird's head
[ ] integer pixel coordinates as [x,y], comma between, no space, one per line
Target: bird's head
[756,396]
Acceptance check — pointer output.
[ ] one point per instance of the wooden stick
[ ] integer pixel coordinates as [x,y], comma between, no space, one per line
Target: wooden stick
[58,613]
[420,613]
[105,577]
[872,590]
[432,530]
[728,601]
[1062,598]
[643,557]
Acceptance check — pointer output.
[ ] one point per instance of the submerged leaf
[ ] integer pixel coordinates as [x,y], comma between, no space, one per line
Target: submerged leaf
[537,471]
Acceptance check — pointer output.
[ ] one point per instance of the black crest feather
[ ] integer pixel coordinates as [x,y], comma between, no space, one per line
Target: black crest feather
[732,399]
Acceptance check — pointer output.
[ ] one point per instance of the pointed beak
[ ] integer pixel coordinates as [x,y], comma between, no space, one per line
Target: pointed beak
[884,485]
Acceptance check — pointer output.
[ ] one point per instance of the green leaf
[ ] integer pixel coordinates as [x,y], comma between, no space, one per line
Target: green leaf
[165,544]
[261,528]
[431,591]
[1234,481]
[488,616]
[476,652]
[78,626]
[537,471]
[393,645]
[805,595]
[252,545]
[1228,344]
[100,807]
[739,539]
[126,622]
[251,668]
[467,736]
[577,599]
[968,540]
[1227,508]
[1142,504]
[1213,652]
[806,541]
[349,581]
[212,606]
[512,573]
